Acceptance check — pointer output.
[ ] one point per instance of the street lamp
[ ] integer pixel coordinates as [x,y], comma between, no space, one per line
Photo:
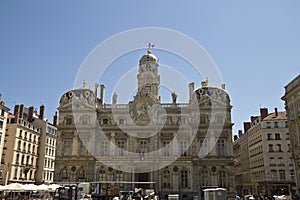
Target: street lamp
[7,177]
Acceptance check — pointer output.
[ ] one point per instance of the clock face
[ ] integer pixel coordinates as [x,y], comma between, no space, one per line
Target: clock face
[148,68]
[144,91]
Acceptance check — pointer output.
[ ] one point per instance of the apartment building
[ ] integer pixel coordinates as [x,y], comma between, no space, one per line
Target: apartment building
[270,159]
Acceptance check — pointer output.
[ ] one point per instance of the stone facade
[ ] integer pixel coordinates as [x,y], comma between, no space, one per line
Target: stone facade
[3,120]
[170,147]
[265,155]
[27,155]
[292,105]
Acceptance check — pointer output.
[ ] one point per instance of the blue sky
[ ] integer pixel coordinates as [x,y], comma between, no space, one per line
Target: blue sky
[255,45]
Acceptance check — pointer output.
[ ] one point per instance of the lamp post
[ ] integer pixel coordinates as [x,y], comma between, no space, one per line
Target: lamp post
[7,176]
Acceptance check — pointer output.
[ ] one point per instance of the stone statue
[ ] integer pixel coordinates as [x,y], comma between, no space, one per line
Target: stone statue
[114,98]
[174,97]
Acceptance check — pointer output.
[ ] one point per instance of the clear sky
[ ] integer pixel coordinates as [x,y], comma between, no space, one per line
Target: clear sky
[255,45]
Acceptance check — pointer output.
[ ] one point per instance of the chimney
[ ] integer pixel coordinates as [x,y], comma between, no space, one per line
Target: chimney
[42,110]
[235,137]
[30,114]
[223,86]
[263,113]
[102,87]
[55,119]
[253,118]
[247,126]
[96,90]
[191,90]
[16,113]
[276,112]
[240,133]
[21,111]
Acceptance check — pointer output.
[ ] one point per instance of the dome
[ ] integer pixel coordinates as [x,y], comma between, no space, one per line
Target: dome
[211,92]
[83,94]
[149,57]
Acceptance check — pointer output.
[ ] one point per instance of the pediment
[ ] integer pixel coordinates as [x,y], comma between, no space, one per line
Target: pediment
[211,102]
[76,105]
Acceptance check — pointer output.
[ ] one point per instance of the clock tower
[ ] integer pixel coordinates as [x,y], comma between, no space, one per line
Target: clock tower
[147,100]
[148,77]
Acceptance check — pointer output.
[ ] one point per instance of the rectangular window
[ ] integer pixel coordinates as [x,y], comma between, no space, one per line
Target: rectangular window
[166,148]
[67,147]
[183,148]
[104,148]
[275,124]
[203,148]
[121,146]
[268,125]
[277,136]
[221,148]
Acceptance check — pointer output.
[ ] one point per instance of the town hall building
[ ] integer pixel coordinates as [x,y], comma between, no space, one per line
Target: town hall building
[173,148]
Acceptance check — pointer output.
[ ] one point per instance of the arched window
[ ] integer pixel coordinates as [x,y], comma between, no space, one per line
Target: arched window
[102,175]
[64,173]
[81,174]
[222,178]
[184,179]
[84,120]
[204,178]
[68,120]
[166,179]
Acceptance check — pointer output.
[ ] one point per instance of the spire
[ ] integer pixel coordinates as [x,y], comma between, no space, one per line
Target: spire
[205,83]
[150,45]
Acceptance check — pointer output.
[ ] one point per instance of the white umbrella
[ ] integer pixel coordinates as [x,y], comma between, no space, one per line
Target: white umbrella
[53,187]
[30,187]
[2,187]
[13,187]
[43,187]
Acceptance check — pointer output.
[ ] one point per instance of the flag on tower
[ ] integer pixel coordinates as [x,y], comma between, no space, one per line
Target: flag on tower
[151,45]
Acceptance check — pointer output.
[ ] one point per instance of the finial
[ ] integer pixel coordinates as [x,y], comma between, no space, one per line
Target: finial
[205,83]
[84,83]
[150,45]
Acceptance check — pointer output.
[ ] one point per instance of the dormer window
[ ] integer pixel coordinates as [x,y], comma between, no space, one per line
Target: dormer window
[105,121]
[68,120]
[121,121]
